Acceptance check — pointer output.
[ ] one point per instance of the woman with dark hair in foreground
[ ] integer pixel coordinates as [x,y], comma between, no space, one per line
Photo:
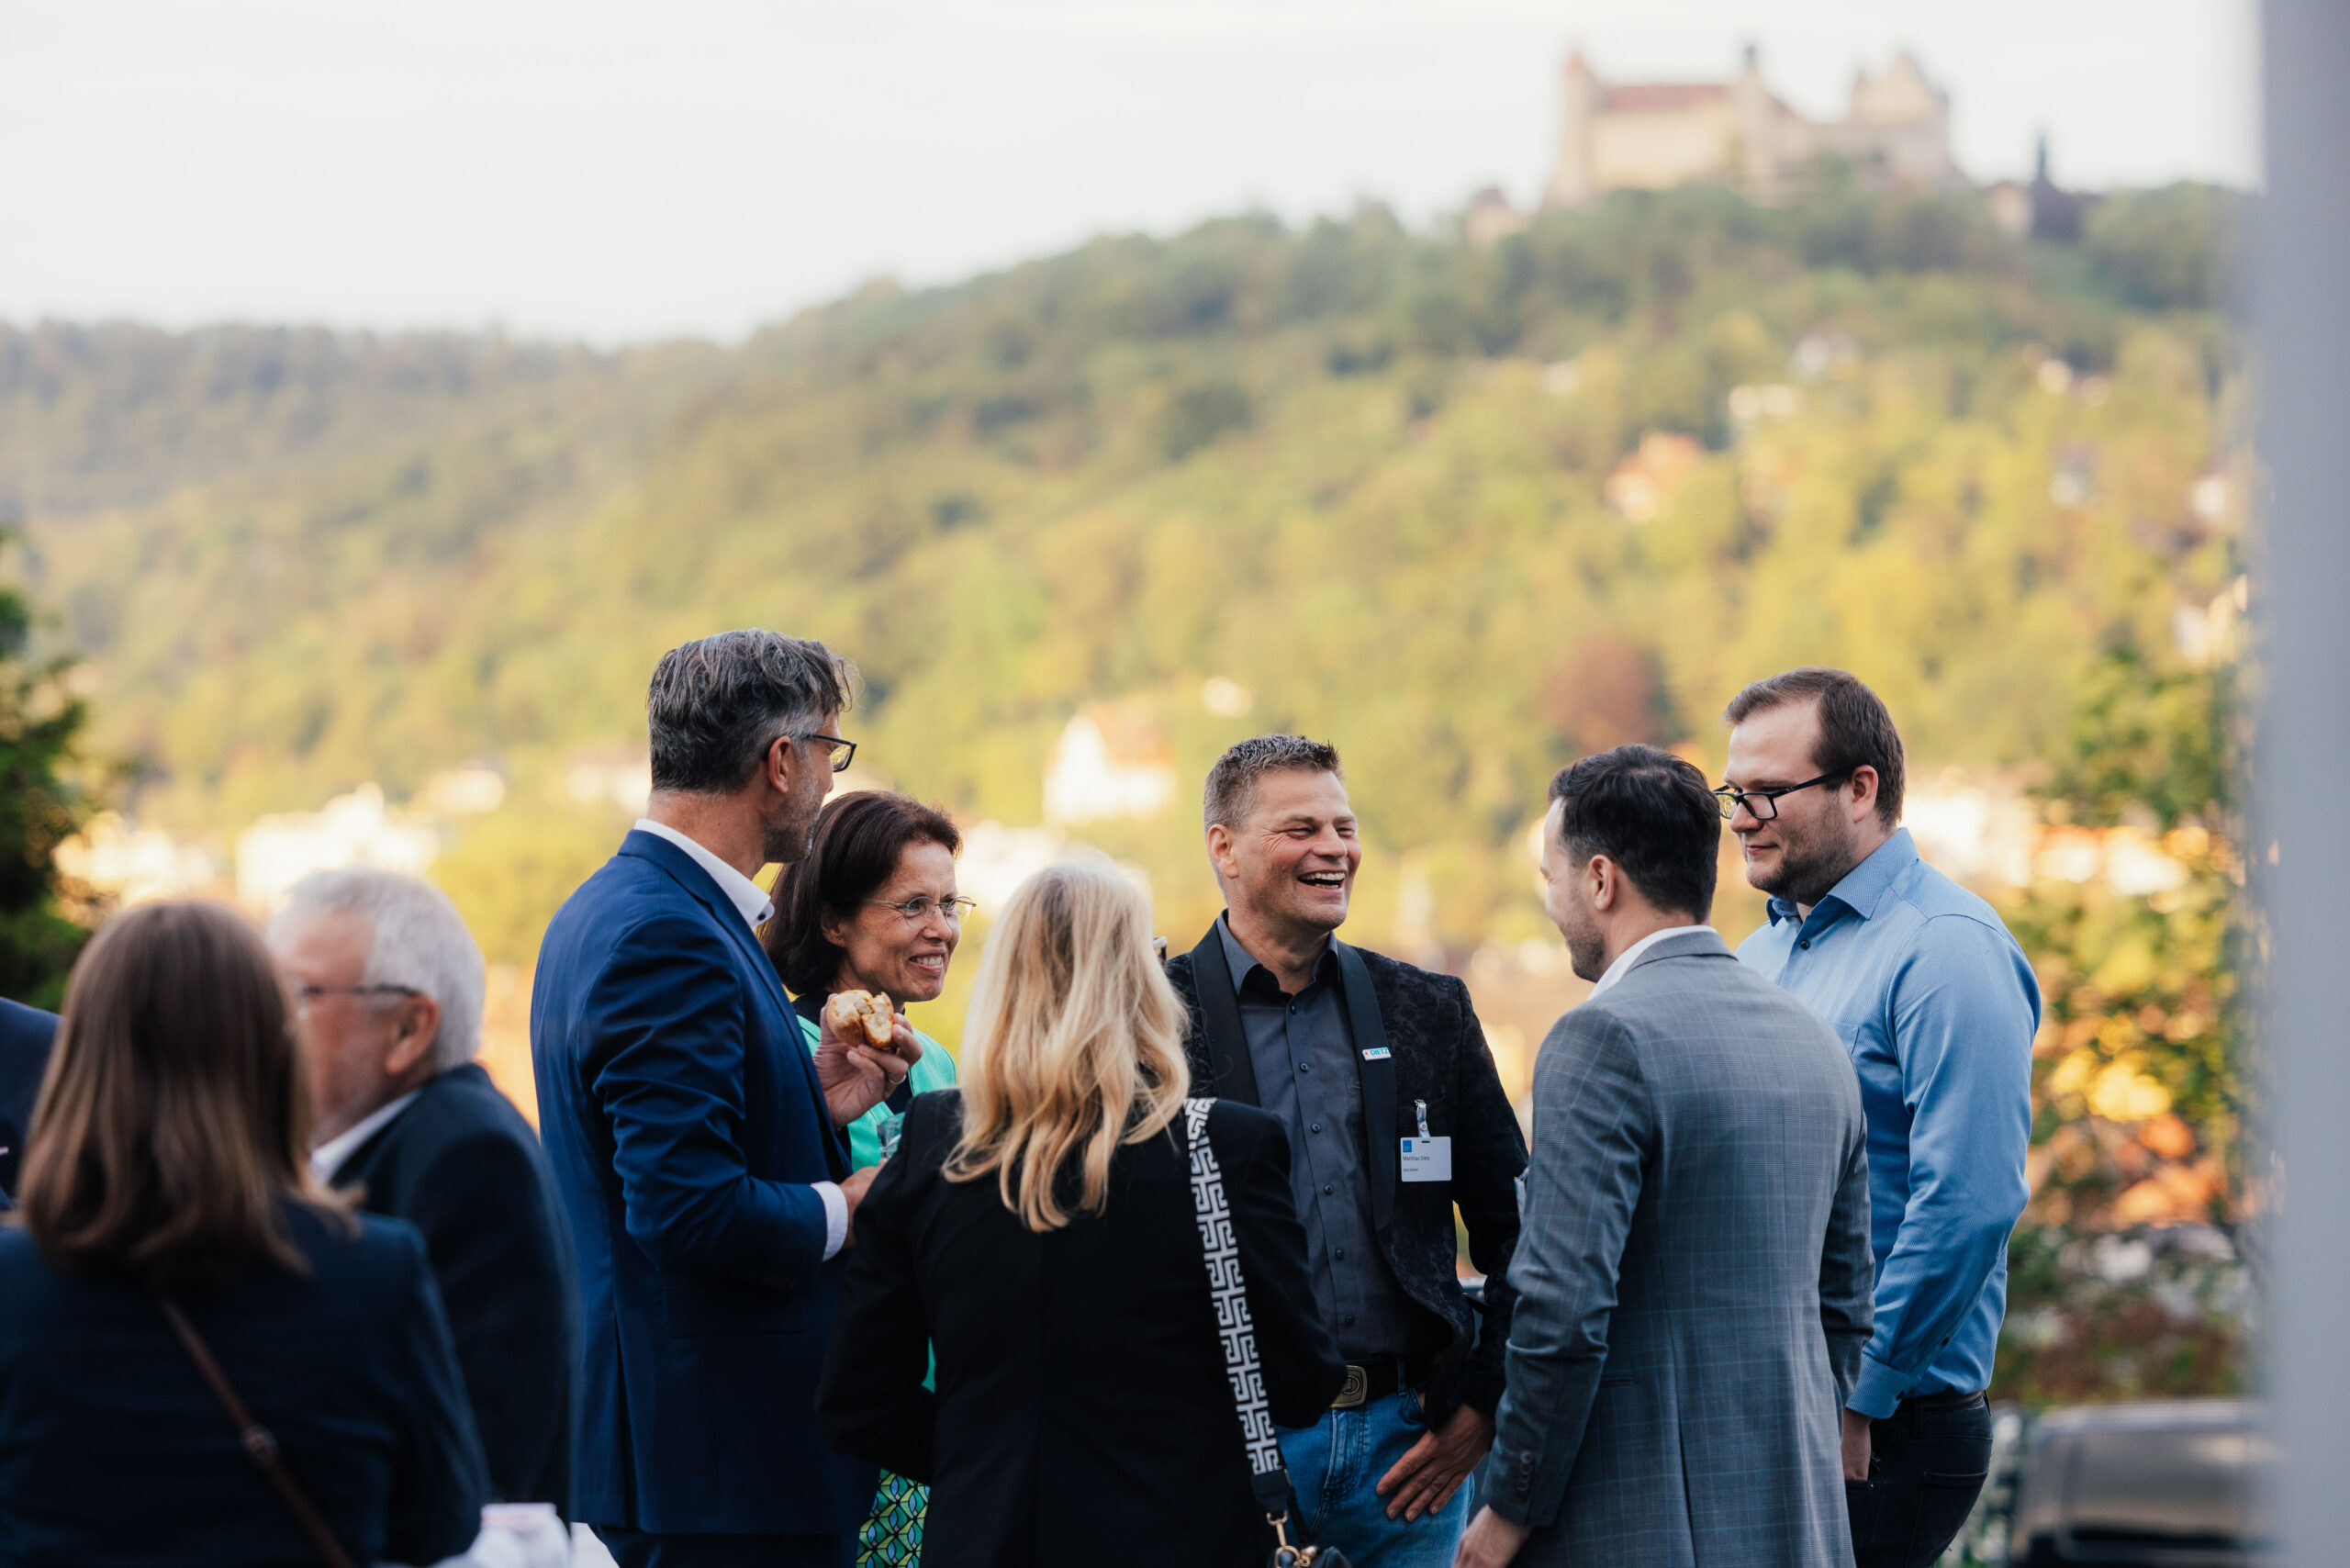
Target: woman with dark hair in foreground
[166,1168]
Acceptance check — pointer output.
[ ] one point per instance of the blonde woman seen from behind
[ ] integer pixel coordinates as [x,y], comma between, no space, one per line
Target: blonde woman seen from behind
[1037,1227]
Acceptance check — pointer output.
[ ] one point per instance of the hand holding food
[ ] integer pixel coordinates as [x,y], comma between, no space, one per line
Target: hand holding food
[851,1011]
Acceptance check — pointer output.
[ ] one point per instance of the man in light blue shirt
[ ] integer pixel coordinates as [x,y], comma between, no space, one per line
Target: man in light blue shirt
[1938,1005]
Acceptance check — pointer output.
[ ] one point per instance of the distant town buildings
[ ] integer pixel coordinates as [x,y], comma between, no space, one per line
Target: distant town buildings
[356,829]
[1657,135]
[1110,761]
[1643,484]
[117,859]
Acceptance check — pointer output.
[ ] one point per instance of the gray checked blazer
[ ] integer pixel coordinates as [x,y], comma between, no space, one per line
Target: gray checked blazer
[1693,1276]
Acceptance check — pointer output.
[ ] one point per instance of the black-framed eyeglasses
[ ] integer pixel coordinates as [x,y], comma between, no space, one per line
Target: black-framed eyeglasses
[1763,805]
[843,752]
[955,909]
[305,994]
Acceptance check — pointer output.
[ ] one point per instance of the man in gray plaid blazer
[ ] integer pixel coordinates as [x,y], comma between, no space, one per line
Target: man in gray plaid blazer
[1693,1271]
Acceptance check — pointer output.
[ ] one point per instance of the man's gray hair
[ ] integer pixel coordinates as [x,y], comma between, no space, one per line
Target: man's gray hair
[420,941]
[1232,782]
[718,702]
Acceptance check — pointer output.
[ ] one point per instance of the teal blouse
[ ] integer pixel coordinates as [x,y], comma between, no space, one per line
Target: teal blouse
[936,1071]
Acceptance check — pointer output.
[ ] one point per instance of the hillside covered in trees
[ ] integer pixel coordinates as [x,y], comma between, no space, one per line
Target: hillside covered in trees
[1359,471]
[1468,512]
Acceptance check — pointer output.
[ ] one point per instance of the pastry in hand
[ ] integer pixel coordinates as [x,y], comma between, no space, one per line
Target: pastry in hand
[850,1011]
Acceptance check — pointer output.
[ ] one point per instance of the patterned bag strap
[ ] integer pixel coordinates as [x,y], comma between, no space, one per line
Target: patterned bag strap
[1228,1292]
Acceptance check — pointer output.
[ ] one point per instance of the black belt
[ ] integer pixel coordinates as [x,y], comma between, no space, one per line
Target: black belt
[1945,1399]
[1367,1380]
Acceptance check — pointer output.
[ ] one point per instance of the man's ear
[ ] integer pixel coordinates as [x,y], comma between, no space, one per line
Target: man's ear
[1863,793]
[414,1028]
[781,759]
[1220,851]
[1604,878]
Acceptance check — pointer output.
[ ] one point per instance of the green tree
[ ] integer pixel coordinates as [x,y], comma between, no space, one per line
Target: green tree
[2139,1085]
[41,806]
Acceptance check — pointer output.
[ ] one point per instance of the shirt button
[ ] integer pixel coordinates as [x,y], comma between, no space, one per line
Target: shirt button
[1805,944]
[1350,1321]
[1340,1254]
[1327,1188]
[1305,1067]
[1317,1126]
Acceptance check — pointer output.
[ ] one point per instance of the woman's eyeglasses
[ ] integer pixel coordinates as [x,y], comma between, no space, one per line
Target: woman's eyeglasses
[955,910]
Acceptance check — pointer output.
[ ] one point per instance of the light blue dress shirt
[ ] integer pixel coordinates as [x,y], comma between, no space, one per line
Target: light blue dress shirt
[1938,1005]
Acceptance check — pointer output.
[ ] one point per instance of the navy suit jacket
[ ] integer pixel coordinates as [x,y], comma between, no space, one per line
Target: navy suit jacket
[25,1034]
[113,1449]
[681,1114]
[462,1166]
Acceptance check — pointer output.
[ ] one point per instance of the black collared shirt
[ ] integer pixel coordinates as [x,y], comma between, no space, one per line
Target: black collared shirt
[1302,1048]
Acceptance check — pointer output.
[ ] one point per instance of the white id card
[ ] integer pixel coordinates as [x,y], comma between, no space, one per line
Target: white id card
[1427,1159]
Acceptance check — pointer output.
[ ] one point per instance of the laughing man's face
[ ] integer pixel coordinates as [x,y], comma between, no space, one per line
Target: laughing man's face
[1293,860]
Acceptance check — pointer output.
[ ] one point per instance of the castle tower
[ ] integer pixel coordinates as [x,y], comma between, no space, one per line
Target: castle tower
[1757,157]
[1576,181]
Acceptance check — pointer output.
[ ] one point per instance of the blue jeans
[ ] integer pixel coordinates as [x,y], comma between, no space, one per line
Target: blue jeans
[1926,1468]
[1336,1463]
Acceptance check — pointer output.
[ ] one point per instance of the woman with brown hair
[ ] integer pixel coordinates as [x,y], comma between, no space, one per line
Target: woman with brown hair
[168,1220]
[1038,1226]
[873,907]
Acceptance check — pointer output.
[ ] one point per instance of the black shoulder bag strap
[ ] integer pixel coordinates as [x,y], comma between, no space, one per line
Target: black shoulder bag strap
[1228,1292]
[259,1443]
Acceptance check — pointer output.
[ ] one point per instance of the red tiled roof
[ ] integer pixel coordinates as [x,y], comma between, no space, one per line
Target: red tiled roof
[1661,97]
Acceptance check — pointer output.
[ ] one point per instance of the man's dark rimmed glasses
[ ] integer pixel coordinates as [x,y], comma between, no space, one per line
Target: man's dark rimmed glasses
[1763,805]
[843,752]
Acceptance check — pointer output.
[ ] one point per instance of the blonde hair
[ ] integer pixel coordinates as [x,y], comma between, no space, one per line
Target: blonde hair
[1074,1039]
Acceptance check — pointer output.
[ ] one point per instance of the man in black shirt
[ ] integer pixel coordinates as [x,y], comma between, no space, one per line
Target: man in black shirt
[1379,1072]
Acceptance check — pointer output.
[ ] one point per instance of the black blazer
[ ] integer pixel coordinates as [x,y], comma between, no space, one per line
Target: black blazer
[1081,1408]
[1437,1054]
[25,1034]
[115,1454]
[462,1166]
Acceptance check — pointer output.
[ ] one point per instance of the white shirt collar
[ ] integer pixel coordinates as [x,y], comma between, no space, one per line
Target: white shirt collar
[1631,954]
[328,1158]
[740,890]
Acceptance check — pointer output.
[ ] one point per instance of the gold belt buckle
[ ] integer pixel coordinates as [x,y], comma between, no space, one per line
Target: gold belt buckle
[1358,1388]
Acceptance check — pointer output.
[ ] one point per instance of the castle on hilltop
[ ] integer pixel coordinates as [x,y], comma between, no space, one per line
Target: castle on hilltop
[1655,135]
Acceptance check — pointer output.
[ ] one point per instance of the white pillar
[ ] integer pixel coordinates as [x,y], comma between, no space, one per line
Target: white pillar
[2302,296]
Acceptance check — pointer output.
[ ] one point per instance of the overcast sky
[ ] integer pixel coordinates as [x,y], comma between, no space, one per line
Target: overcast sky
[626,170]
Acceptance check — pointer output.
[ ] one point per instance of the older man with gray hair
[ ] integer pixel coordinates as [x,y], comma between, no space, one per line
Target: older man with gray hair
[388,986]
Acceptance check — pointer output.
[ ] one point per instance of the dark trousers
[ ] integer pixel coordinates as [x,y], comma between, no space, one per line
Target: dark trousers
[1928,1461]
[634,1549]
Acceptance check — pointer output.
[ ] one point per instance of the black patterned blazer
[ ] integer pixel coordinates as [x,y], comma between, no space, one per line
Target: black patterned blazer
[1437,1053]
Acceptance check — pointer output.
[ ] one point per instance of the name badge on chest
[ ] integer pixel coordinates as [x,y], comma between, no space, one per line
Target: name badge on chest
[1425,1158]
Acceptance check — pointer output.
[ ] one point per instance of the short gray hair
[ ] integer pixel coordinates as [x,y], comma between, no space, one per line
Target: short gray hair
[1232,782]
[418,940]
[717,703]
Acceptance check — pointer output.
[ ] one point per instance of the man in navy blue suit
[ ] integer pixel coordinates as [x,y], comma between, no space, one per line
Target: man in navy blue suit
[697,1148]
[24,1036]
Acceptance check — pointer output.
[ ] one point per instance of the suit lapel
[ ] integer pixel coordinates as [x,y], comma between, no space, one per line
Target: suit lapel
[1375,1065]
[697,881]
[1226,1042]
